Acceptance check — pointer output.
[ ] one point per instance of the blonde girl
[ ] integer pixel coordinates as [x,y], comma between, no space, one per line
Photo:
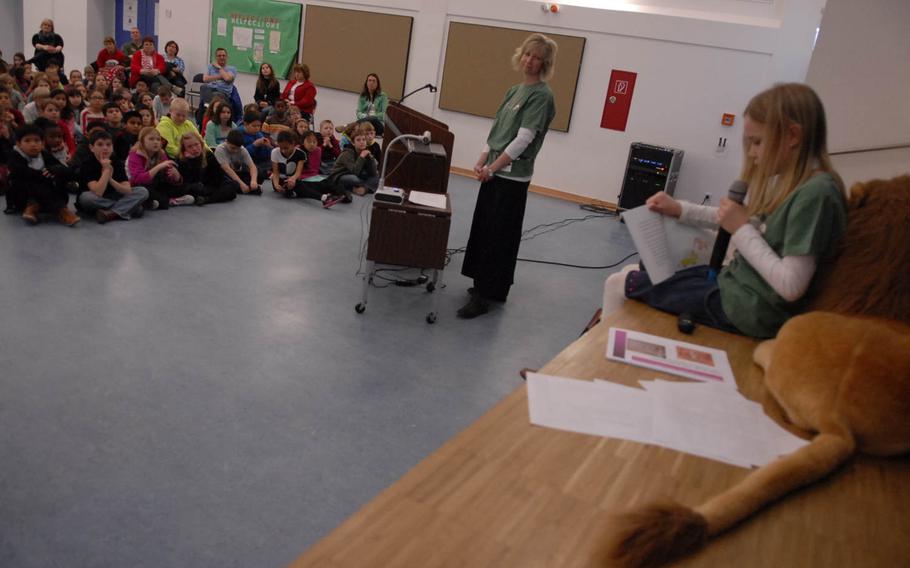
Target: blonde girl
[149,166]
[794,215]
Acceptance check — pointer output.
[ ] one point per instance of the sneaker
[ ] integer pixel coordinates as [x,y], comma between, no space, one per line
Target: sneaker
[200,201]
[328,200]
[348,197]
[105,215]
[182,200]
[153,204]
[137,212]
[257,191]
[477,306]
[10,210]
[288,194]
[31,213]
[67,217]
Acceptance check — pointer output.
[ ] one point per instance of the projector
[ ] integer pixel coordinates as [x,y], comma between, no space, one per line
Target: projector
[390,195]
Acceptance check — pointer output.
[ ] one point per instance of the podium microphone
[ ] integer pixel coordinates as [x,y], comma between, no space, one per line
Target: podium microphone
[737,193]
[429,86]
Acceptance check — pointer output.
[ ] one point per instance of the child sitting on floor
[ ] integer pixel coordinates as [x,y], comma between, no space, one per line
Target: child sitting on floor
[238,166]
[103,184]
[257,143]
[37,180]
[329,146]
[149,166]
[355,171]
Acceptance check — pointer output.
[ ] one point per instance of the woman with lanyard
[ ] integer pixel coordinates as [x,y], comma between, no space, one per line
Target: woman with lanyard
[505,167]
[372,103]
[48,46]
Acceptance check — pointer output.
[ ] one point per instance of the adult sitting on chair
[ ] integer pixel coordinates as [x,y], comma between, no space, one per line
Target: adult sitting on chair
[220,79]
[149,65]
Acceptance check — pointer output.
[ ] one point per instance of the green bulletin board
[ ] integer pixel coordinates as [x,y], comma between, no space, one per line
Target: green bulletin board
[255,32]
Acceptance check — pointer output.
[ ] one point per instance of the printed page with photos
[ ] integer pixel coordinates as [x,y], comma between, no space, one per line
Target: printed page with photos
[670,356]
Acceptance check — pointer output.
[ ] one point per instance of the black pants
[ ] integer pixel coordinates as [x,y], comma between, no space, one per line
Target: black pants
[212,194]
[162,191]
[311,189]
[244,176]
[492,250]
[50,196]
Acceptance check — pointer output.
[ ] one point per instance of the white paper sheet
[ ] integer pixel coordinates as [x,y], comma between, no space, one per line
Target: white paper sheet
[274,41]
[665,245]
[437,200]
[616,411]
[222,26]
[702,419]
[242,38]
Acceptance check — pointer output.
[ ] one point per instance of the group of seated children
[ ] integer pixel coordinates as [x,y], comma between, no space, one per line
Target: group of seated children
[122,152]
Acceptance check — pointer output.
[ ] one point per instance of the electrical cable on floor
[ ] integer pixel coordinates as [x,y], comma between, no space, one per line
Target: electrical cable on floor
[597,212]
[613,265]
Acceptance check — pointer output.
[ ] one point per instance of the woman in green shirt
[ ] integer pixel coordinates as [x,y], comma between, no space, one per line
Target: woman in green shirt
[372,103]
[504,168]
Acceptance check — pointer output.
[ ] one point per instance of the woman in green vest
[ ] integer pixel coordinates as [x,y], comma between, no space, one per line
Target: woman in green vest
[504,168]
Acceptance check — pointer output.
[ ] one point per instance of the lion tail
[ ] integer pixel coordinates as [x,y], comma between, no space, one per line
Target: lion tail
[659,533]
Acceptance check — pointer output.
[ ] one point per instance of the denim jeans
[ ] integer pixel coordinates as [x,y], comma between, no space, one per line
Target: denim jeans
[89,202]
[688,291]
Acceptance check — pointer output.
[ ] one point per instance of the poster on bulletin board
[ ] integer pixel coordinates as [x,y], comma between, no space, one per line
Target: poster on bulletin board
[255,32]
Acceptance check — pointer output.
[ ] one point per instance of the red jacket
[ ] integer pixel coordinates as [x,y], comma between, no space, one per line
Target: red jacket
[304,96]
[136,66]
[103,56]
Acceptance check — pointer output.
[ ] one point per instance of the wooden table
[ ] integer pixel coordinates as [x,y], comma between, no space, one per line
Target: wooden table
[504,493]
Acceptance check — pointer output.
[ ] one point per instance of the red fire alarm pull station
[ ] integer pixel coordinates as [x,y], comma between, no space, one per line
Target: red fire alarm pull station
[619,100]
[727,119]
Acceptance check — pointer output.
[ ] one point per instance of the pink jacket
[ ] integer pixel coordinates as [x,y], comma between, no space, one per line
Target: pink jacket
[138,172]
[313,160]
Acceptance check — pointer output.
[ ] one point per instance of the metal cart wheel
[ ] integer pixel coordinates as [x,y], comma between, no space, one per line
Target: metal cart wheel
[431,317]
[360,308]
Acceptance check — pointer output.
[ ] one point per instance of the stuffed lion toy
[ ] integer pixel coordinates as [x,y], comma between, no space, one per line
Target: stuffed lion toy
[842,373]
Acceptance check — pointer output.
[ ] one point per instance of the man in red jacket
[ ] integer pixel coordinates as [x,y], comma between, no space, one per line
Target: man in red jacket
[148,64]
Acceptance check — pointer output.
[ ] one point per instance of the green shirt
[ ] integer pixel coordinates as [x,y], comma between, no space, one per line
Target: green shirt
[809,222]
[524,106]
[376,107]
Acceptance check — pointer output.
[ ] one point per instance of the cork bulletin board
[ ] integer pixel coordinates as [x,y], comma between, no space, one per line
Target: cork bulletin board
[342,46]
[478,70]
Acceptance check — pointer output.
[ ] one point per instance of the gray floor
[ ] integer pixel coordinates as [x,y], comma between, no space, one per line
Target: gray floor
[195,389]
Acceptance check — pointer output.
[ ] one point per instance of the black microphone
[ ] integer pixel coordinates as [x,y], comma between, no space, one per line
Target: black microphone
[737,193]
[430,86]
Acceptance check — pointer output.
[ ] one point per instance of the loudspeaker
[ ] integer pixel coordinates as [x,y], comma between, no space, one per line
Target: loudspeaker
[649,169]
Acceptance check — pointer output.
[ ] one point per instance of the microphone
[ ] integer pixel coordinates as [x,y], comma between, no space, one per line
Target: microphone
[737,193]
[428,86]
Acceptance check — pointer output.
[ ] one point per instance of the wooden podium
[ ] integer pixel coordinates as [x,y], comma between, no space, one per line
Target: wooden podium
[408,234]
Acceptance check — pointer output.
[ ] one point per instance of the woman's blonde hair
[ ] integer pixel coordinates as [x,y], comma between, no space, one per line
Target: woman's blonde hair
[545,47]
[781,171]
[191,135]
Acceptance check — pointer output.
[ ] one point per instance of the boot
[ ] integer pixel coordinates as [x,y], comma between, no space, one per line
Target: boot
[31,213]
[67,217]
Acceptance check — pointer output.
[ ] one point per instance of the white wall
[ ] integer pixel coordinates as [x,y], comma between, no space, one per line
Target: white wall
[693,65]
[10,28]
[70,21]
